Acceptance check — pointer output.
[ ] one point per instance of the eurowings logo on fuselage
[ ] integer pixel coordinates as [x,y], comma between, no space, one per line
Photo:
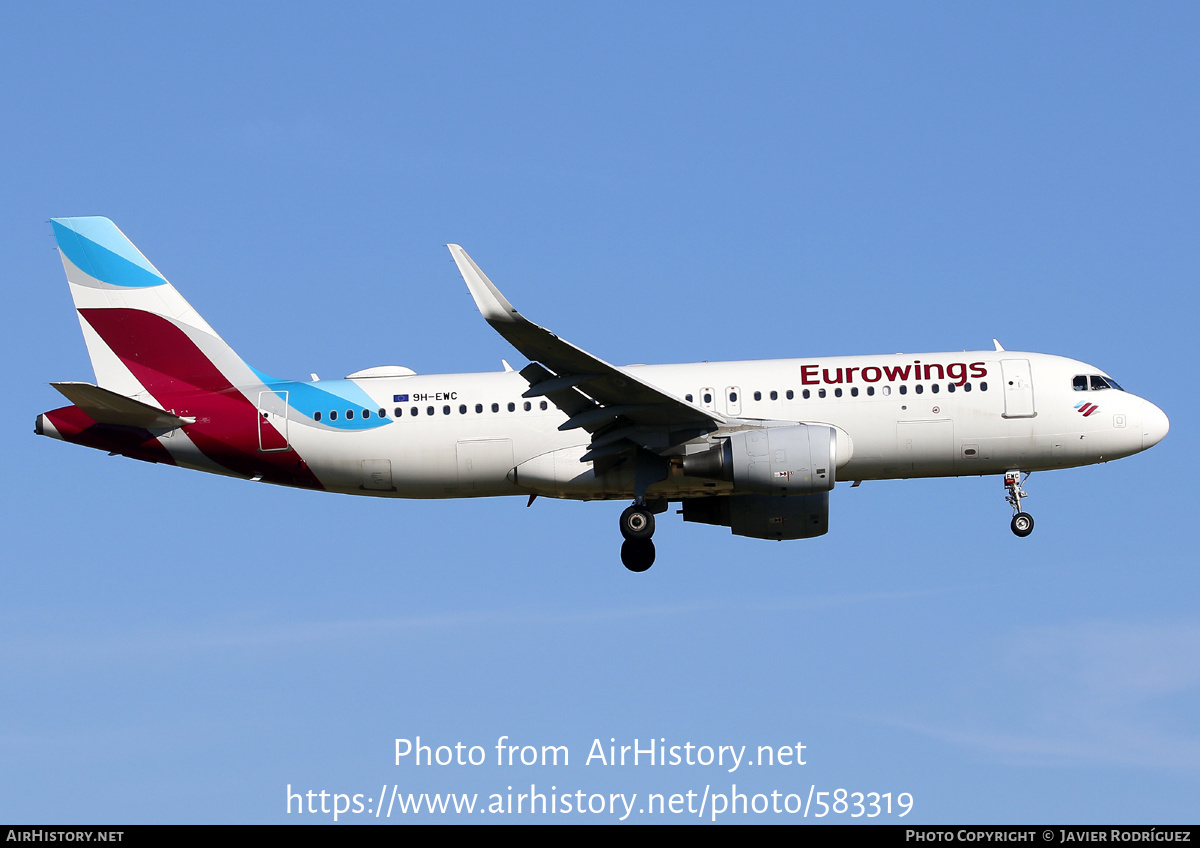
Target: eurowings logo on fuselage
[815,375]
[1086,408]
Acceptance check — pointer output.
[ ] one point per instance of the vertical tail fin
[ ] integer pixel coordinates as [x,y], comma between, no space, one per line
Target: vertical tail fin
[160,367]
[142,336]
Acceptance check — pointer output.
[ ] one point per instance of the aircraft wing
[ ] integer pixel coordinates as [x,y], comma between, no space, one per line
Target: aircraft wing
[617,408]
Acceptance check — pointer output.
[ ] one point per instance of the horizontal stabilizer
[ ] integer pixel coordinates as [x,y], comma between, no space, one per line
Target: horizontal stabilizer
[106,407]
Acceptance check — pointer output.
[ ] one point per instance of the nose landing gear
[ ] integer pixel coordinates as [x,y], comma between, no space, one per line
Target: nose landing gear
[1022,522]
[637,526]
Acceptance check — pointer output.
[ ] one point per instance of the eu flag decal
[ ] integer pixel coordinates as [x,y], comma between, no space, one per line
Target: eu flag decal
[399,398]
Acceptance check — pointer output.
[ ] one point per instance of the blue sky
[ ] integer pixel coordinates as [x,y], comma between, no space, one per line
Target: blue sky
[660,183]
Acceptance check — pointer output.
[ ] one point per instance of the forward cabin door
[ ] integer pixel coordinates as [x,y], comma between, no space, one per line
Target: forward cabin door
[1018,388]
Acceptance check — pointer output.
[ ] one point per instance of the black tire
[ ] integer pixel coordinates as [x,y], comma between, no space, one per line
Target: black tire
[637,524]
[637,555]
[1022,524]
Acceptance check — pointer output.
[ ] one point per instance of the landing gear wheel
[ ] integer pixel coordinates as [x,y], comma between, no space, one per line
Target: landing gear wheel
[1022,524]
[638,555]
[637,525]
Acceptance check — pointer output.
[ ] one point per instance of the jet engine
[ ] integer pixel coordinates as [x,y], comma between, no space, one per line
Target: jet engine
[795,460]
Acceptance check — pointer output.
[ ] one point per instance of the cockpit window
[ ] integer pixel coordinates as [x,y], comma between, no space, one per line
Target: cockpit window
[1093,382]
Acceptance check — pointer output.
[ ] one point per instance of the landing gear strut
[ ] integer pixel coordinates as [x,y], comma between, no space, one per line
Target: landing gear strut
[637,526]
[1022,522]
[637,521]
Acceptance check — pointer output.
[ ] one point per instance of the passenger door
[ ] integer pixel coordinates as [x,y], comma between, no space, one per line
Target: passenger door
[1018,388]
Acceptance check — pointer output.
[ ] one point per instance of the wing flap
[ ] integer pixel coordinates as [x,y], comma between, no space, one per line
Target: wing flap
[566,399]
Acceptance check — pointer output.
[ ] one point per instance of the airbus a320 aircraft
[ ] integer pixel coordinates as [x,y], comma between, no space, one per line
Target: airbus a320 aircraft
[752,446]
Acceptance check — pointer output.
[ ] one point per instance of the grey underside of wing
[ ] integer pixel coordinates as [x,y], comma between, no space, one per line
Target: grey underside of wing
[598,397]
[108,407]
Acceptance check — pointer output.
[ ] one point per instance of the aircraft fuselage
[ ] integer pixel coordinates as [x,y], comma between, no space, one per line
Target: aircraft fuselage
[753,446]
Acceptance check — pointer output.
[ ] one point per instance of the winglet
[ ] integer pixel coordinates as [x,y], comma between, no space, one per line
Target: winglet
[491,303]
[999,346]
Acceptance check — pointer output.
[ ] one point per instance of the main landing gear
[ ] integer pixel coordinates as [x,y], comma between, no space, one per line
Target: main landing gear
[637,526]
[1022,522]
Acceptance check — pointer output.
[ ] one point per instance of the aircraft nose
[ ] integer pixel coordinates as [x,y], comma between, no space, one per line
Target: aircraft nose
[1154,425]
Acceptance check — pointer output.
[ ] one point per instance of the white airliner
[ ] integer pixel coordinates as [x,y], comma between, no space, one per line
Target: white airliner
[753,446]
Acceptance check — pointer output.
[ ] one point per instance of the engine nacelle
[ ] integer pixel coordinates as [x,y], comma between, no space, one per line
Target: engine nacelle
[763,516]
[780,461]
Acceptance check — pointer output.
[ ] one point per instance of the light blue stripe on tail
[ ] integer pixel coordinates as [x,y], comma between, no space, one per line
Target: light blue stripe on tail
[96,247]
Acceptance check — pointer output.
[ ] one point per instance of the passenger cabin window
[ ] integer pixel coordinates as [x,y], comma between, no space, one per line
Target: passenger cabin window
[790,394]
[543,405]
[495,407]
[758,395]
[688,398]
[316,416]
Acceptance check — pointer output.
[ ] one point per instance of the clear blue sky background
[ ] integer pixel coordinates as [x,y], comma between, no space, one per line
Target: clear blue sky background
[656,183]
